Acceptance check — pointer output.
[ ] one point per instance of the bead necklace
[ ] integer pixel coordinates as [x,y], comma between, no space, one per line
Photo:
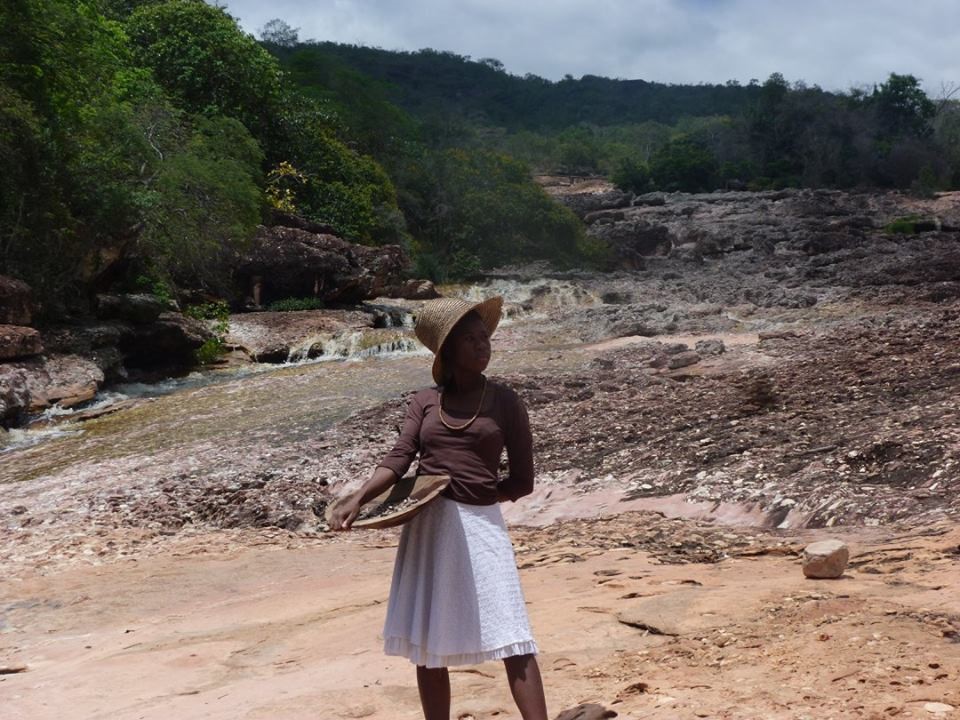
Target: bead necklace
[469,422]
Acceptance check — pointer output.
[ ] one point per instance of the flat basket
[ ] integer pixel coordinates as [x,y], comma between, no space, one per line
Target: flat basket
[422,489]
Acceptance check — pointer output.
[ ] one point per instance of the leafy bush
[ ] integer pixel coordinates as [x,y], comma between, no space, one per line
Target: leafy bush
[293,304]
[906,225]
[632,176]
[684,165]
[218,312]
[210,351]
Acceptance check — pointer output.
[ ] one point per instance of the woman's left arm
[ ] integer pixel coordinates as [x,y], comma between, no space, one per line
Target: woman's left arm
[519,443]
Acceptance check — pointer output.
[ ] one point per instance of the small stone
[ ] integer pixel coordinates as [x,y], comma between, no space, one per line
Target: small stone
[710,347]
[683,359]
[825,559]
[938,708]
[587,711]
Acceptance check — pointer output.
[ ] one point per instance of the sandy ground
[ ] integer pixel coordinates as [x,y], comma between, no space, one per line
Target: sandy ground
[289,628]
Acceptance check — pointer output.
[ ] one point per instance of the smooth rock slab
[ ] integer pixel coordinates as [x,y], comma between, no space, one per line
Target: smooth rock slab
[825,559]
[673,614]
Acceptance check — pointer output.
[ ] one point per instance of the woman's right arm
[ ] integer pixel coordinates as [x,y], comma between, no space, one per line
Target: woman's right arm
[347,509]
[391,468]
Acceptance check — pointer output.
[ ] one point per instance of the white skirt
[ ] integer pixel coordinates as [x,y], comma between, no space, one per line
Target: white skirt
[456,597]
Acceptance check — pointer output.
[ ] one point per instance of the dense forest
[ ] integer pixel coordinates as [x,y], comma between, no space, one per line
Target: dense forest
[650,135]
[142,141]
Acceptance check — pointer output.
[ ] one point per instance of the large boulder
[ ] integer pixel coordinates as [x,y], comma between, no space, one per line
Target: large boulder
[69,380]
[38,383]
[168,344]
[288,262]
[15,306]
[17,341]
[632,241]
[14,396]
[99,341]
[825,559]
[136,308]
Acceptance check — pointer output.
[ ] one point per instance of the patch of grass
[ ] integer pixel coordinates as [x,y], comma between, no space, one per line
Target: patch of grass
[906,225]
[293,304]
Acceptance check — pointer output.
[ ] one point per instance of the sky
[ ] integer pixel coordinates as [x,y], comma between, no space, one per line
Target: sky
[836,44]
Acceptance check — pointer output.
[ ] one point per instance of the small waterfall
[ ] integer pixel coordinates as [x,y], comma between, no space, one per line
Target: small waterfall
[356,345]
[19,438]
[529,297]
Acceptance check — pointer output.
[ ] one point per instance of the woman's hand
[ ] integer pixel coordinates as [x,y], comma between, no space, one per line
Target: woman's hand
[344,513]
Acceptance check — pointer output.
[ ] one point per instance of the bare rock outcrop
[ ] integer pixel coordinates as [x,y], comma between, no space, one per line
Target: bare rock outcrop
[697,226]
[17,341]
[14,396]
[138,308]
[35,384]
[290,262]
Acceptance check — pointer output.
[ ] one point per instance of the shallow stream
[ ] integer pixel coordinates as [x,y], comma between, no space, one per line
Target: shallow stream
[201,421]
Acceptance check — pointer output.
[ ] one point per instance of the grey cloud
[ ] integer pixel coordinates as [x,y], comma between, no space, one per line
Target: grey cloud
[833,44]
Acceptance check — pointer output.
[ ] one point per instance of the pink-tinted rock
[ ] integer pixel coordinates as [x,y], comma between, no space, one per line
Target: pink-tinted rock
[66,380]
[17,341]
[825,559]
[288,262]
[14,396]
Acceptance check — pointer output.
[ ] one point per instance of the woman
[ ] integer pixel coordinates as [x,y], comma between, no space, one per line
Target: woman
[455,598]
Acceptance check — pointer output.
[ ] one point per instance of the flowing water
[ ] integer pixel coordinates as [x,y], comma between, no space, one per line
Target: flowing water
[212,418]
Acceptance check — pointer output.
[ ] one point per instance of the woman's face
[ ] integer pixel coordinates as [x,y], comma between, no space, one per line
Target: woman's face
[469,345]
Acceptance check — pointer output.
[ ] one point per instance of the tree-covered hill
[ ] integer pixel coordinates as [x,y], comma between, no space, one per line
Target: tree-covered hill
[649,135]
[142,141]
[431,81]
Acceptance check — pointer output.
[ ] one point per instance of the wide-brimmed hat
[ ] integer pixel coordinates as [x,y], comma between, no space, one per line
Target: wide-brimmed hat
[437,318]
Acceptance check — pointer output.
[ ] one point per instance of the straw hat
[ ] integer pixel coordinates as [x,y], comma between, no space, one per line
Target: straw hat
[437,318]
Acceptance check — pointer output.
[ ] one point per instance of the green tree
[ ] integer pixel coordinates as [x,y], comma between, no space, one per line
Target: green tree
[632,175]
[903,108]
[684,165]
[207,204]
[277,32]
[209,66]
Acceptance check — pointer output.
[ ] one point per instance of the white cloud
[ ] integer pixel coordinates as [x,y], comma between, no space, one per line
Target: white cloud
[833,44]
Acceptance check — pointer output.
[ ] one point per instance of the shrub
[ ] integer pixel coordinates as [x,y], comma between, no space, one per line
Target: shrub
[903,225]
[218,312]
[293,304]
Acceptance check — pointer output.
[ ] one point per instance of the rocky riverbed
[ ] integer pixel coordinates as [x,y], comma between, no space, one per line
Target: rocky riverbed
[775,368]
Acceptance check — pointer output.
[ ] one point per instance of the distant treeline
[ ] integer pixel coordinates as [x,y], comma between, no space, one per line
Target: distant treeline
[651,135]
[142,141]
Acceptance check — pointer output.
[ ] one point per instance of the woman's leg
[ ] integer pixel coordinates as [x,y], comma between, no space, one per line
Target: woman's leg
[523,674]
[434,684]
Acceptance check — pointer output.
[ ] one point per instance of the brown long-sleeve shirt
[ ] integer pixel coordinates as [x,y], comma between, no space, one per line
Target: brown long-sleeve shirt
[471,457]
